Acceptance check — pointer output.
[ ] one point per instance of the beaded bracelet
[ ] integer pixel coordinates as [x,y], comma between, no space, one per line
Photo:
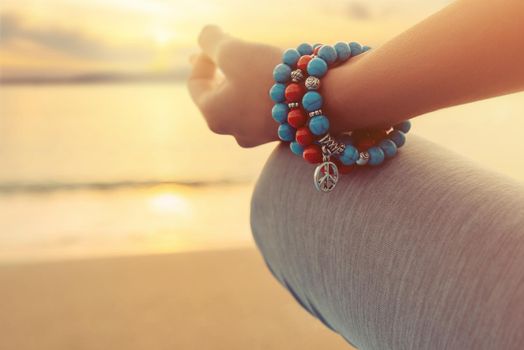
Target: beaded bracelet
[297,109]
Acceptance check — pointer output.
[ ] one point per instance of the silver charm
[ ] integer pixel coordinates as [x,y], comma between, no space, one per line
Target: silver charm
[312,83]
[292,105]
[297,75]
[315,113]
[331,146]
[326,176]
[363,158]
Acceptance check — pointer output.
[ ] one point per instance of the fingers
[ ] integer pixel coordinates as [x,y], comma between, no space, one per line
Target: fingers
[203,67]
[202,78]
[228,53]
[193,58]
[211,96]
[210,40]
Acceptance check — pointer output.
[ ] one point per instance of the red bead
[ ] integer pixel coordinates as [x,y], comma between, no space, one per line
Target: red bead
[316,49]
[343,169]
[303,61]
[304,137]
[313,154]
[294,92]
[296,118]
[365,143]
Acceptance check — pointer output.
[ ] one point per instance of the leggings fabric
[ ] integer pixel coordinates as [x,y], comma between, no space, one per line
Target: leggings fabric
[423,252]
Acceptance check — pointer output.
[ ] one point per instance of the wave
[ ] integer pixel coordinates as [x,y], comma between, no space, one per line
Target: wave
[99,78]
[14,188]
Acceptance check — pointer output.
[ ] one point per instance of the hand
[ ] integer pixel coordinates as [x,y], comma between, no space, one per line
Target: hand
[236,103]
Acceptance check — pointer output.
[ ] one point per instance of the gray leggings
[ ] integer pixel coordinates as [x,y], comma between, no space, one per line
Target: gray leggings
[424,252]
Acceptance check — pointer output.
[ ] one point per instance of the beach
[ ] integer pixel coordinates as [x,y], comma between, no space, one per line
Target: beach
[124,224]
[222,299]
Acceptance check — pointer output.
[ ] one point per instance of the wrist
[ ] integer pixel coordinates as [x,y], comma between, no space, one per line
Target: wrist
[342,88]
[300,110]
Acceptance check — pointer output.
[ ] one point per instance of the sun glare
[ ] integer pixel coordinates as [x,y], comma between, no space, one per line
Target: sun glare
[169,203]
[162,36]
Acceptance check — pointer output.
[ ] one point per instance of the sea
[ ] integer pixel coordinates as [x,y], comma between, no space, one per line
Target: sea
[130,168]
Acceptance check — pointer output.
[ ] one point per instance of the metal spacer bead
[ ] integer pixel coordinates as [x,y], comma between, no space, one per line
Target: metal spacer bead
[315,113]
[297,75]
[312,83]
[293,105]
[363,158]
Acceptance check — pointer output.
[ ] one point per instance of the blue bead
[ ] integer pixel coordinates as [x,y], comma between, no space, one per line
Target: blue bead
[356,49]
[277,92]
[389,147]
[328,54]
[403,126]
[305,49]
[365,48]
[312,101]
[349,156]
[317,67]
[376,156]
[281,73]
[343,51]
[319,125]
[398,137]
[286,132]
[296,148]
[279,112]
[290,57]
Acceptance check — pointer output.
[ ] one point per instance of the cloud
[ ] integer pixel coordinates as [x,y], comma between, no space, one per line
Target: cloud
[359,10]
[8,26]
[385,9]
[68,41]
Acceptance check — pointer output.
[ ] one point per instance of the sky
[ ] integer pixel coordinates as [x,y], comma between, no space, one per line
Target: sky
[68,37]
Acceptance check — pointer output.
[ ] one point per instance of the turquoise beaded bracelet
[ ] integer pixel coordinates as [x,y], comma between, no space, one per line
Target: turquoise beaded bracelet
[298,110]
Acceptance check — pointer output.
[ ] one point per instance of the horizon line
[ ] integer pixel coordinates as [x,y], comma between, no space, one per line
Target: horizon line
[97,77]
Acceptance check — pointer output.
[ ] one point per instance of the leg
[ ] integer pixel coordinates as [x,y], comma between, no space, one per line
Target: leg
[424,252]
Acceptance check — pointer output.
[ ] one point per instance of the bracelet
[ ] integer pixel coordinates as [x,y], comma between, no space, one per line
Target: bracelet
[298,110]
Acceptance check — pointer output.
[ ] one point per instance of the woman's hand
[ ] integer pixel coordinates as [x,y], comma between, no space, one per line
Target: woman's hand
[237,102]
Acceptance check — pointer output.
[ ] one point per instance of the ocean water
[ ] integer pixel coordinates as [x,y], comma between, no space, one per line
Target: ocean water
[115,169]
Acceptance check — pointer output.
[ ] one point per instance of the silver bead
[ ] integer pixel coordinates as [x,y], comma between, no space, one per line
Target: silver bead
[315,113]
[292,105]
[297,75]
[312,83]
[363,158]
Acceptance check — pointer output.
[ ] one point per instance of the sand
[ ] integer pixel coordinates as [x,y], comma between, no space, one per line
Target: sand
[200,300]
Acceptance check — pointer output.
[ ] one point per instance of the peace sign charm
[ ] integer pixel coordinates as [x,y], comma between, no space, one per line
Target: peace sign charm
[326,176]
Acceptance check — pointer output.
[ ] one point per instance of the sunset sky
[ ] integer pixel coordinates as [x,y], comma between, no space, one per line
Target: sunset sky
[67,37]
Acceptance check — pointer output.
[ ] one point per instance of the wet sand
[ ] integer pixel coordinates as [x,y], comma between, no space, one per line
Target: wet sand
[201,300]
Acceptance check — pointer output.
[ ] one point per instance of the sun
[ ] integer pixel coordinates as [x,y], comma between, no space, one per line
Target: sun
[162,36]
[168,203]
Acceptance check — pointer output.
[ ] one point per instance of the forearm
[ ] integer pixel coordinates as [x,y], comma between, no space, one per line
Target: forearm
[471,50]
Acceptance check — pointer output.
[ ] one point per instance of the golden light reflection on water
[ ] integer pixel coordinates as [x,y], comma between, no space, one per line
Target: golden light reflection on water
[169,203]
[85,223]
